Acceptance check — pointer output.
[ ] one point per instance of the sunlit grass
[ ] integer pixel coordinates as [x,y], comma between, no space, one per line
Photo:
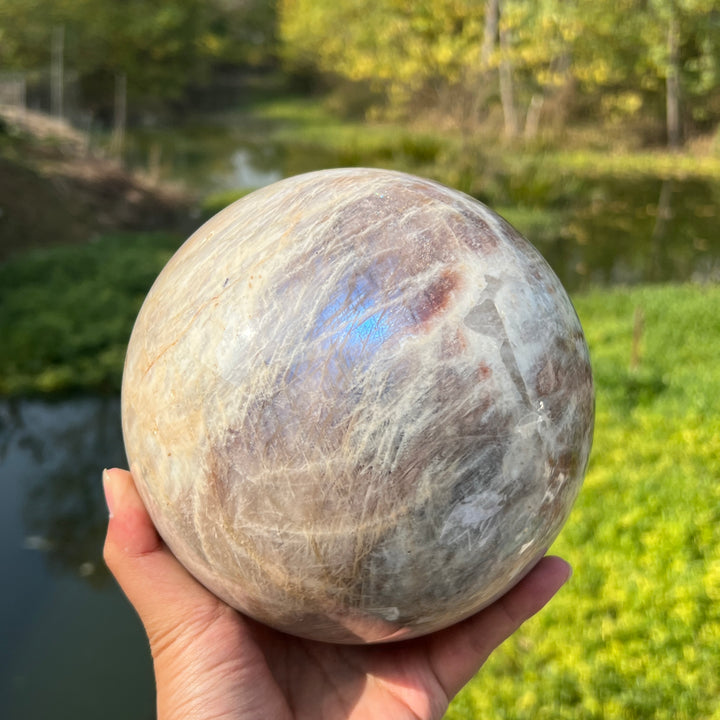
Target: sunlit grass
[636,633]
[668,165]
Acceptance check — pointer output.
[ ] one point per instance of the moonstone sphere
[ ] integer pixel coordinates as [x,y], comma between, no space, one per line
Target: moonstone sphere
[358,405]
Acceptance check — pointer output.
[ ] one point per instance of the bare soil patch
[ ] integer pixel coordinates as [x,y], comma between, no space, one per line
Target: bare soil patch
[54,190]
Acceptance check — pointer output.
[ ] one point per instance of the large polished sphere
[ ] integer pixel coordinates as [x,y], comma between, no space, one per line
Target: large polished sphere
[358,405]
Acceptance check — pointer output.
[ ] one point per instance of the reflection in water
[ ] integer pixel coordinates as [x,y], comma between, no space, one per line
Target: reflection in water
[624,230]
[246,173]
[660,231]
[70,645]
[594,230]
[67,445]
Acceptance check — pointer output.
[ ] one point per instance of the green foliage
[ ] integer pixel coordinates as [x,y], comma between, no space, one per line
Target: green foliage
[610,60]
[215,202]
[163,47]
[636,632]
[66,313]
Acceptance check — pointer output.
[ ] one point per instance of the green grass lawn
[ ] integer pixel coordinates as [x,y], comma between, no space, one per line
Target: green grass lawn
[636,632]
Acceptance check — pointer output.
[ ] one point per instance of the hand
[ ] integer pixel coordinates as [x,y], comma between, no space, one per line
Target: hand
[213,663]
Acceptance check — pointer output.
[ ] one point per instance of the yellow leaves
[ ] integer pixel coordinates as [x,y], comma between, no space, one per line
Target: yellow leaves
[210,44]
[549,77]
[514,15]
[400,46]
[711,581]
[621,104]
[446,52]
[363,67]
[597,73]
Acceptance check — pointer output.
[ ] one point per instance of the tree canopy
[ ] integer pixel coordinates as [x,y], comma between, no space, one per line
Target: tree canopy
[534,63]
[608,58]
[161,46]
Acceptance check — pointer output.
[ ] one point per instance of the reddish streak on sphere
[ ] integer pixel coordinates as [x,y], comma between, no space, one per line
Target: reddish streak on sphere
[438,296]
[484,371]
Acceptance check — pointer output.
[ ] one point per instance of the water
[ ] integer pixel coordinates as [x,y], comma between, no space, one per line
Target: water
[70,644]
[629,230]
[593,230]
[206,158]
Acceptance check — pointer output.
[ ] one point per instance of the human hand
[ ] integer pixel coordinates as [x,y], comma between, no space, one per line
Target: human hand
[213,663]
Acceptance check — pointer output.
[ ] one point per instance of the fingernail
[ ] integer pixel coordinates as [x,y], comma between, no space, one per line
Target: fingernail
[108,491]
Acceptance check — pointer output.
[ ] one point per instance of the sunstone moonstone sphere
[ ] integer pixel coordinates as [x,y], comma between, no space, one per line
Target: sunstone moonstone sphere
[358,405]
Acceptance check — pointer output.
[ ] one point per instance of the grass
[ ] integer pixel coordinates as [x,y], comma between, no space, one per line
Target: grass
[663,164]
[636,632]
[66,312]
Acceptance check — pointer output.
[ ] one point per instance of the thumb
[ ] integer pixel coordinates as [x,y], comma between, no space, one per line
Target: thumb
[166,597]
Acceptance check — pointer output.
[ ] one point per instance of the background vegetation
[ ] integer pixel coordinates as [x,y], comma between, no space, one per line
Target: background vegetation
[648,69]
[66,312]
[637,630]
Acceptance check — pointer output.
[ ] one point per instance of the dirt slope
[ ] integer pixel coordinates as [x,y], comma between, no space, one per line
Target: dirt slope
[52,190]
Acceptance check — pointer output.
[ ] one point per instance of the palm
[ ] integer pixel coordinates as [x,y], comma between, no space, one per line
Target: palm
[318,680]
[240,669]
[259,672]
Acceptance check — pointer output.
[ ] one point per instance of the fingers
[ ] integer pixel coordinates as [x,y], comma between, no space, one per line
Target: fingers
[160,589]
[458,652]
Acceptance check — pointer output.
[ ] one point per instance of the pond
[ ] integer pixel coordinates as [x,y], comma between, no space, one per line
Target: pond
[594,229]
[70,645]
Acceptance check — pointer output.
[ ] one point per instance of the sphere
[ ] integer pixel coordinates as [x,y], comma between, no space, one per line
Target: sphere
[358,405]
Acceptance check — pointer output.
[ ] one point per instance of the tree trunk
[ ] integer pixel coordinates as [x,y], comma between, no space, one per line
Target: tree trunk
[57,62]
[480,78]
[120,115]
[492,11]
[507,90]
[532,119]
[672,85]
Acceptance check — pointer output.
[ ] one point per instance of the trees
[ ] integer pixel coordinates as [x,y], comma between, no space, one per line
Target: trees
[399,47]
[683,53]
[161,46]
[616,59]
[532,63]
